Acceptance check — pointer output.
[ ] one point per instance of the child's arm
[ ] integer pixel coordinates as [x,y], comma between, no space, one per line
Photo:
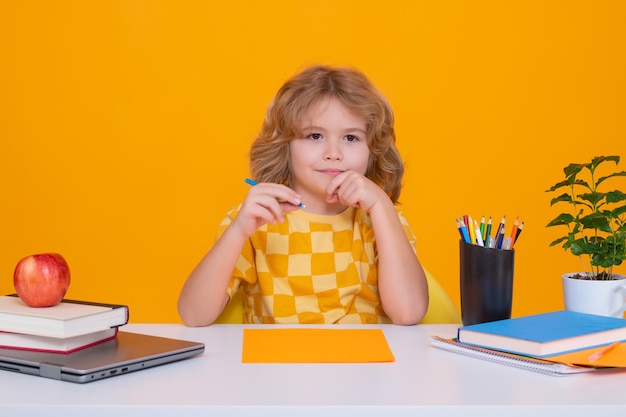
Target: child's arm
[204,295]
[401,280]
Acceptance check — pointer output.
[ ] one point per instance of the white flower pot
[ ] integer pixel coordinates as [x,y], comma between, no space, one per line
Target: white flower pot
[604,298]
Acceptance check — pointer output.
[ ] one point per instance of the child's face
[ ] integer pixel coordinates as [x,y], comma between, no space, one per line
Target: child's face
[335,141]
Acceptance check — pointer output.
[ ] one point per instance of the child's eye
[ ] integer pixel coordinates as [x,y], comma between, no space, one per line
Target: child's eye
[315,136]
[351,138]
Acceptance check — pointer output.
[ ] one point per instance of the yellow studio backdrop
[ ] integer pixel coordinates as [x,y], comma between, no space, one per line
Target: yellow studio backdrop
[125,125]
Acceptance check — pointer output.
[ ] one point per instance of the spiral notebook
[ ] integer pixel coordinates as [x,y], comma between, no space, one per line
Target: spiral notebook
[509,359]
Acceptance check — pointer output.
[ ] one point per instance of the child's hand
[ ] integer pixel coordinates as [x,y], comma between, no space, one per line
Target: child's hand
[265,203]
[355,190]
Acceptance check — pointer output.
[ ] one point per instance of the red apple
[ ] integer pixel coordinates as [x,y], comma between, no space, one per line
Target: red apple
[42,280]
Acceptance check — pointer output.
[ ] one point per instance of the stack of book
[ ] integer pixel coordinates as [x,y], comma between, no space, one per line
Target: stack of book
[555,343]
[64,328]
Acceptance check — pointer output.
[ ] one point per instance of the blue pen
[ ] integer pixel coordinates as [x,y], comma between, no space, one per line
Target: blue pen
[458,227]
[253,183]
[463,231]
[500,233]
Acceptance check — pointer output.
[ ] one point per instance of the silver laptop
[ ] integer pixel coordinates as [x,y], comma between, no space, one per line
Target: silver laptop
[128,352]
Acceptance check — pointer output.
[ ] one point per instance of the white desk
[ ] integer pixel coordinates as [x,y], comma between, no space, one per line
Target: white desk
[423,381]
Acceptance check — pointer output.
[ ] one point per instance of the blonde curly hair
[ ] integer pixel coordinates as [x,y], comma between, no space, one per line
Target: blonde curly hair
[269,154]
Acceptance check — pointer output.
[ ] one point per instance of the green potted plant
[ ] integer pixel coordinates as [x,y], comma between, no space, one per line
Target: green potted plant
[596,233]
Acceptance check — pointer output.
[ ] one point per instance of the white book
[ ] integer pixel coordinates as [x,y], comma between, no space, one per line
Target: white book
[68,319]
[54,344]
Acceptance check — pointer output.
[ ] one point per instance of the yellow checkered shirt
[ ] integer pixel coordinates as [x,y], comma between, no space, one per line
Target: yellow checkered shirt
[311,269]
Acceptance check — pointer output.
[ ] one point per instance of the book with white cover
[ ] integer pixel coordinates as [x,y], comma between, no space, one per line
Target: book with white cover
[54,344]
[68,319]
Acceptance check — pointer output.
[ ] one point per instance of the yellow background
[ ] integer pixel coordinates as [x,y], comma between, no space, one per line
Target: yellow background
[125,125]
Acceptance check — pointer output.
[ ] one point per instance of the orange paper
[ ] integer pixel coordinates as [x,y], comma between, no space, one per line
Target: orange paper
[614,358]
[314,345]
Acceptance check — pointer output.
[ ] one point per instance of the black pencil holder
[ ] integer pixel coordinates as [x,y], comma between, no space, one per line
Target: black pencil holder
[486,283]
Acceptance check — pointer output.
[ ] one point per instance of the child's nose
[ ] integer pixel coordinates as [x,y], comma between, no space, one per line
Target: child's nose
[332,152]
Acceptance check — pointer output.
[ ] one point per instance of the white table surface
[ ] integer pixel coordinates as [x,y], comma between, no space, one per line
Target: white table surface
[422,381]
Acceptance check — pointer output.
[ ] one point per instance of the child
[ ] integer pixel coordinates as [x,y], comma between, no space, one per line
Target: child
[319,238]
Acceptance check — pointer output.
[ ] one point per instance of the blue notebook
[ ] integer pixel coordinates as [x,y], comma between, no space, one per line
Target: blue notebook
[545,334]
